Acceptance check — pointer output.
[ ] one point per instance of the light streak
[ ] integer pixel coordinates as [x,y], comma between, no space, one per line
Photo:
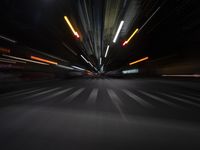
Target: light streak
[84,59]
[107,49]
[23,59]
[133,34]
[79,68]
[71,27]
[44,60]
[182,75]
[138,61]
[118,31]
[8,39]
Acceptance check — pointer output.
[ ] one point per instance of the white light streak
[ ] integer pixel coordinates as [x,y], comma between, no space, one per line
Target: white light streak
[132,71]
[65,67]
[8,39]
[17,61]
[84,59]
[100,61]
[118,31]
[183,75]
[23,59]
[5,61]
[149,18]
[106,54]
[79,68]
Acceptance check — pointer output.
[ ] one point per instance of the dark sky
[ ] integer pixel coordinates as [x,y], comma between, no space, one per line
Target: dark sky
[39,24]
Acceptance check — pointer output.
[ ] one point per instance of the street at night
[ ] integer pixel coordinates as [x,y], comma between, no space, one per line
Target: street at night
[99,75]
[101,114]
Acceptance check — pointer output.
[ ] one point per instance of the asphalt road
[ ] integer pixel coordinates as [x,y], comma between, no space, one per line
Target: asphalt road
[101,114]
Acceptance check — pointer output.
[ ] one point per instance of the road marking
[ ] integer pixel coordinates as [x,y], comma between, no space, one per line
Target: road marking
[42,93]
[181,100]
[116,101]
[15,92]
[23,93]
[93,96]
[71,97]
[188,96]
[160,99]
[55,94]
[29,92]
[138,99]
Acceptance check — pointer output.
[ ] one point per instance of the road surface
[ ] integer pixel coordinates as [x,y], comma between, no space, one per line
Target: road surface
[100,114]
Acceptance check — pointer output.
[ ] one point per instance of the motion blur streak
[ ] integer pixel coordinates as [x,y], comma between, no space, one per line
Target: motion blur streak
[44,60]
[27,60]
[64,67]
[78,76]
[84,59]
[126,42]
[8,39]
[17,61]
[107,49]
[6,61]
[149,18]
[181,75]
[118,31]
[79,68]
[100,61]
[138,61]
[71,27]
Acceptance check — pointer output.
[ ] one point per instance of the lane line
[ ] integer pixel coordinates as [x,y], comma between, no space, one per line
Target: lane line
[55,94]
[71,97]
[29,92]
[181,100]
[93,96]
[160,99]
[137,99]
[188,96]
[42,93]
[15,92]
[116,102]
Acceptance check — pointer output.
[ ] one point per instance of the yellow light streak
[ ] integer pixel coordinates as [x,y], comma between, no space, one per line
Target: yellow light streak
[71,27]
[138,61]
[134,33]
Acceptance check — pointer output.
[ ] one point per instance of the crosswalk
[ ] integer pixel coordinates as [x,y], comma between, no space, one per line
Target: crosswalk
[91,96]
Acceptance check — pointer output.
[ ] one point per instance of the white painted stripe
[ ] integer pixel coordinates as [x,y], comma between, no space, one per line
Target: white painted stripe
[181,99]
[137,99]
[188,96]
[116,101]
[15,92]
[42,93]
[55,94]
[160,99]
[93,96]
[71,97]
[27,92]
